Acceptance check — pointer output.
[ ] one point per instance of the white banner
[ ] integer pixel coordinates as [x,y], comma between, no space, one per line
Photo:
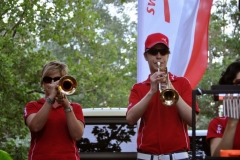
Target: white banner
[185,22]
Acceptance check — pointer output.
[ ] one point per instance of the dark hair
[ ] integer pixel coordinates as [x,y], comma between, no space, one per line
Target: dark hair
[230,74]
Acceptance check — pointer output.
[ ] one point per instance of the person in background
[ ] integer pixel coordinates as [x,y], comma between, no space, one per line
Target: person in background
[223,132]
[163,132]
[54,122]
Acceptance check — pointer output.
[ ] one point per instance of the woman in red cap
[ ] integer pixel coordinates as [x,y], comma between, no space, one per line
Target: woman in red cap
[163,132]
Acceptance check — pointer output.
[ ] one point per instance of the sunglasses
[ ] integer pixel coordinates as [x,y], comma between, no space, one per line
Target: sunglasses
[154,52]
[49,79]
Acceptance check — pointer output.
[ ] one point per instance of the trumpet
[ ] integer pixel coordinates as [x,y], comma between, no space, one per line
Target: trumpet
[168,96]
[67,85]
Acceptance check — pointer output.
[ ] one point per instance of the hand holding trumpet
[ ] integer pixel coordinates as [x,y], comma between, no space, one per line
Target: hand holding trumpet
[168,95]
[58,90]
[158,80]
[66,86]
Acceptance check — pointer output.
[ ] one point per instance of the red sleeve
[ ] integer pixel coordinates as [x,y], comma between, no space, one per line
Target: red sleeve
[78,112]
[216,128]
[134,97]
[31,107]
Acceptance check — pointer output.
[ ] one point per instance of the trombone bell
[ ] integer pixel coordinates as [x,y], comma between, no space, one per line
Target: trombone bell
[67,85]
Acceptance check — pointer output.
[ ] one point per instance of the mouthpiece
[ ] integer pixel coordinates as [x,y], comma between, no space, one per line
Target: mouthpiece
[158,63]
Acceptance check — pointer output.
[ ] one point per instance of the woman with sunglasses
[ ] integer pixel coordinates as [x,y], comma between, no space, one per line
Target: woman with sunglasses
[162,132]
[223,132]
[54,122]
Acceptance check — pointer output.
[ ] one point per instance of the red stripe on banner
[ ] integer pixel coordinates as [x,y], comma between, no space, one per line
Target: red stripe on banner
[199,58]
[166,11]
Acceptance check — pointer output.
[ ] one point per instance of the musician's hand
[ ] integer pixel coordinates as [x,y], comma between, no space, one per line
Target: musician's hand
[62,99]
[51,89]
[233,121]
[156,79]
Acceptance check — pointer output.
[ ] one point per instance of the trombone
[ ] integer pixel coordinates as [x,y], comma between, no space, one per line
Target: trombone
[168,96]
[67,85]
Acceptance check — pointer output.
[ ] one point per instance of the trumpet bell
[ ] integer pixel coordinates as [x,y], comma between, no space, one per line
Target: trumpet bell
[67,85]
[169,97]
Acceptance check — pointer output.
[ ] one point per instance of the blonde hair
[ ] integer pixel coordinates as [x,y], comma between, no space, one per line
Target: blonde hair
[53,67]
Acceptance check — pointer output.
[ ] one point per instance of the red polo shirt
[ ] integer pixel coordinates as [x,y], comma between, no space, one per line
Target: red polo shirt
[53,142]
[217,127]
[161,129]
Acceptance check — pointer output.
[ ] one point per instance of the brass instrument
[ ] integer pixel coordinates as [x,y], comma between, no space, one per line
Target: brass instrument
[168,96]
[67,85]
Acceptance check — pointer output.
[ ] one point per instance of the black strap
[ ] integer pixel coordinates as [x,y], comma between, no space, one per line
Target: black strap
[152,157]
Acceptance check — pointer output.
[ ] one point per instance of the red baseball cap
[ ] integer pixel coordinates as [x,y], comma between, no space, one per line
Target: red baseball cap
[156,38]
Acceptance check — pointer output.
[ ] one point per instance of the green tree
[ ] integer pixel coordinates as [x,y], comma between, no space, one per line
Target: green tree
[224,40]
[99,48]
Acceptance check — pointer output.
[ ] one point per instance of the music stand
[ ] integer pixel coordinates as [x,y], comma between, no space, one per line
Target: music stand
[215,89]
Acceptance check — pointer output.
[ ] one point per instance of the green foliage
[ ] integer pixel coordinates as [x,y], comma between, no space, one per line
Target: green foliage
[224,40]
[99,48]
